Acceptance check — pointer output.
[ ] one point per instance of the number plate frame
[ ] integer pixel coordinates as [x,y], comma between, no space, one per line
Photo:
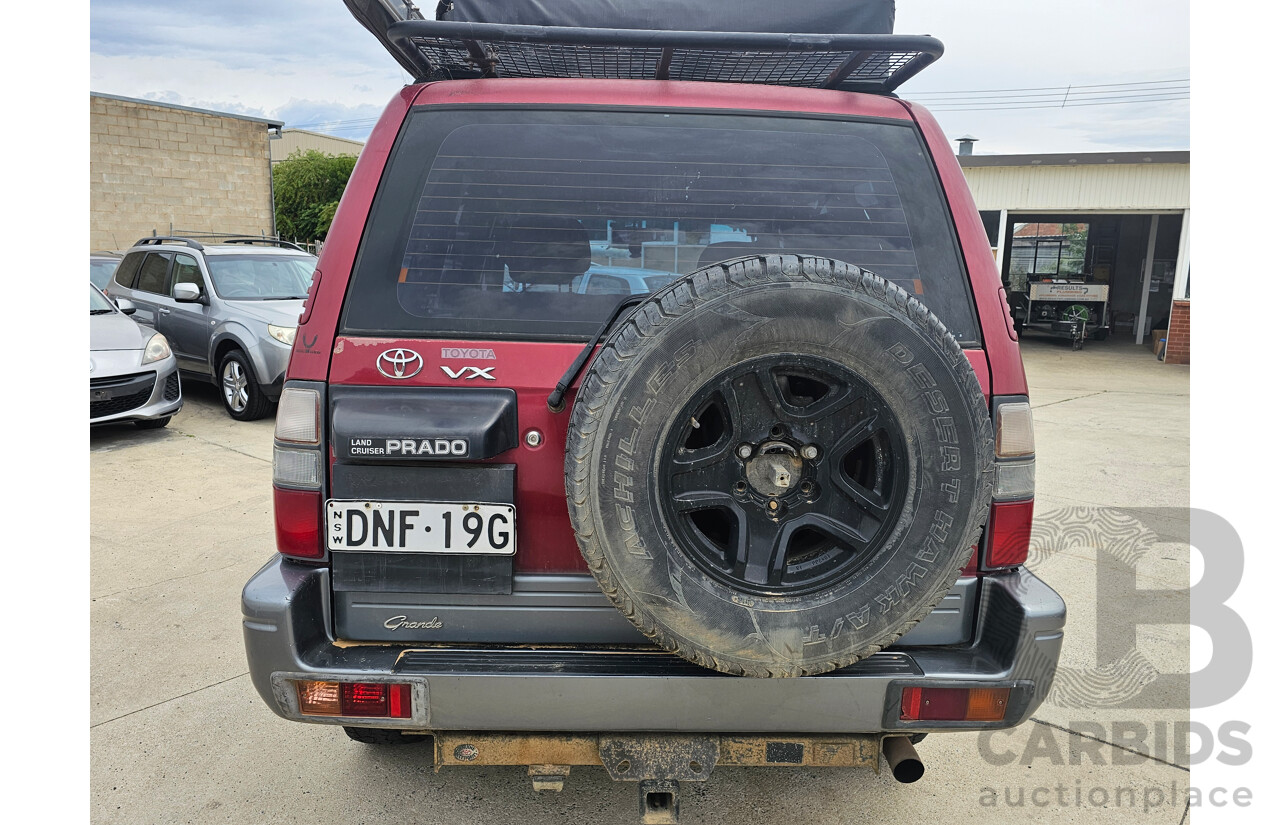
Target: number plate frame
[428,527]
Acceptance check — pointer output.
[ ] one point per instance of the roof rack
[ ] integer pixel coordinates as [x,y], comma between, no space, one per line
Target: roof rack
[156,240]
[249,239]
[439,49]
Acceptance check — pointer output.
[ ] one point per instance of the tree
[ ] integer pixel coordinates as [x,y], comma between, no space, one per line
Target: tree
[308,186]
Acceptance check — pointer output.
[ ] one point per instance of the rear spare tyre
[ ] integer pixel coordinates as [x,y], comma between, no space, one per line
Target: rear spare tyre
[778,465]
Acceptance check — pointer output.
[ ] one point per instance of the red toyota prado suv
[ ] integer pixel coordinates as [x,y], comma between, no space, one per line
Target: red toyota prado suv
[655,406]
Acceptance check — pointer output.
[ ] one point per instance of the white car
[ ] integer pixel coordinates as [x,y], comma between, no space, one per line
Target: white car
[133,375]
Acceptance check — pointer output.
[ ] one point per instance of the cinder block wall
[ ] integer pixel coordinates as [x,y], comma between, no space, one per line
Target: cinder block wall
[1178,346]
[153,166]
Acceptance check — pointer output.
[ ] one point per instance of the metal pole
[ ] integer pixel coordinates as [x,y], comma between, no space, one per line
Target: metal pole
[1001,251]
[1183,268]
[271,184]
[1147,267]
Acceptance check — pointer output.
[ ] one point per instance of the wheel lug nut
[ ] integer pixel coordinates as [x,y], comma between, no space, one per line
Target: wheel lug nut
[809,451]
[773,505]
[745,451]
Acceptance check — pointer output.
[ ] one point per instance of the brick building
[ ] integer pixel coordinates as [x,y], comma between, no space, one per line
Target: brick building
[155,167]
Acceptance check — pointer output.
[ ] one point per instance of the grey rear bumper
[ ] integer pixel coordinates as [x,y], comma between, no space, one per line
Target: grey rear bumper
[286,607]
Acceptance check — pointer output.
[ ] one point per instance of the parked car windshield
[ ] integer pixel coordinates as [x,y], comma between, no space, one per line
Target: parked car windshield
[101,270]
[99,304]
[261,277]
[528,221]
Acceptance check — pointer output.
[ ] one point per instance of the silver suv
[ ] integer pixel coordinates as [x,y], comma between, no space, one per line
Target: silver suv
[229,309]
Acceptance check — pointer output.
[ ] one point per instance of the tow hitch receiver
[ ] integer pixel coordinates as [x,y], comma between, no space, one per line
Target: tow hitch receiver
[658,762]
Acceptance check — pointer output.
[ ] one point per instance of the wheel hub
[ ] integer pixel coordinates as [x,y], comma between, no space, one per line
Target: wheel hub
[775,470]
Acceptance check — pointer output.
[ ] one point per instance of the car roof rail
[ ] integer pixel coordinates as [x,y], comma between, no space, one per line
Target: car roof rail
[250,239]
[444,49]
[156,240]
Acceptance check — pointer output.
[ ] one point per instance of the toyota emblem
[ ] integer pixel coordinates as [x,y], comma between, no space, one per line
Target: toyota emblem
[400,363]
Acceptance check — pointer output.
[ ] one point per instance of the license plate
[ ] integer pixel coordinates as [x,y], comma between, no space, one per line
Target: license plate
[422,527]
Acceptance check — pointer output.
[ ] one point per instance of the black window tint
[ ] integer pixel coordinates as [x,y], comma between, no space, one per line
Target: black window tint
[154,274]
[128,269]
[489,222]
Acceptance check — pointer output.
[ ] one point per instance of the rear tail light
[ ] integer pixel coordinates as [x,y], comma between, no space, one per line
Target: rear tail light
[921,704]
[1015,479]
[1008,534]
[363,699]
[297,473]
[298,416]
[298,523]
[1015,436]
[296,468]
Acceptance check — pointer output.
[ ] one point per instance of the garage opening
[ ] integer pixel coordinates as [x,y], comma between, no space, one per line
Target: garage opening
[1089,276]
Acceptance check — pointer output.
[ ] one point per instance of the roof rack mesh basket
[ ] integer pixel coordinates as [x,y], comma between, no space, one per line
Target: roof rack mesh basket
[446,49]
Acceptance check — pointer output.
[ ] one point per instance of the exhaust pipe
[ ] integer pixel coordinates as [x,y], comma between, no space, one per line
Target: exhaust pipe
[902,758]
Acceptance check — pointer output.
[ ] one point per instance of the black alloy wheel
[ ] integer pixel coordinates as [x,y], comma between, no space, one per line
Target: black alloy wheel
[784,474]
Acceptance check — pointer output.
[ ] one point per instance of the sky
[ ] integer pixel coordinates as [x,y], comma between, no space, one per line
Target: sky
[1022,77]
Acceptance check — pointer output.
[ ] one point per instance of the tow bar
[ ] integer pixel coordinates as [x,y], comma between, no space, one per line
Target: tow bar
[658,763]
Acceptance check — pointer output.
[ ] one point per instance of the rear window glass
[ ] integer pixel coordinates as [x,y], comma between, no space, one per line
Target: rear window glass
[533,223]
[154,275]
[128,268]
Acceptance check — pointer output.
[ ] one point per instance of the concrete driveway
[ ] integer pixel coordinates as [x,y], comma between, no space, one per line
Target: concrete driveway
[181,518]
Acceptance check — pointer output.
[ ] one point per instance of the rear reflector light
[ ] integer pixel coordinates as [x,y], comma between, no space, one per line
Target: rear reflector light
[366,699]
[954,704]
[298,523]
[298,416]
[1009,533]
[1015,479]
[1014,434]
[296,468]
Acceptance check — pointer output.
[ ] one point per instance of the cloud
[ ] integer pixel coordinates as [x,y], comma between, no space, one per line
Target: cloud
[310,62]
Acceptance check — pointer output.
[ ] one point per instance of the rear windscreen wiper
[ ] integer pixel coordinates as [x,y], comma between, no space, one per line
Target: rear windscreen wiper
[555,401]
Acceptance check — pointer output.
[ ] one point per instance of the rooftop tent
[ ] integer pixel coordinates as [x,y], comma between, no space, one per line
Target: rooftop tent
[811,16]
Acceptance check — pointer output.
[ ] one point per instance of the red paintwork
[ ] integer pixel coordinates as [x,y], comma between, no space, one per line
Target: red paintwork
[311,347]
[532,369]
[1007,375]
[675,94]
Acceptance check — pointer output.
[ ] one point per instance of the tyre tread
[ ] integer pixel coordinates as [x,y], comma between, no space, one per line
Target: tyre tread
[672,303]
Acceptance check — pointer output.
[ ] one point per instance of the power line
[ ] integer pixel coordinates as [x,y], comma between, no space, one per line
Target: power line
[1051,88]
[968,100]
[1063,100]
[1055,105]
[1072,91]
[368,121]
